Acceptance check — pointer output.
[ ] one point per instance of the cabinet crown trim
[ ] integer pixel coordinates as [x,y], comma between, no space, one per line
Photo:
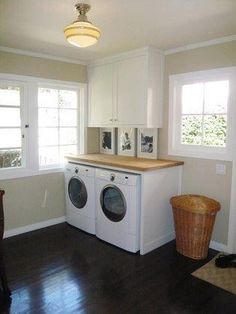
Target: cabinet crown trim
[126,55]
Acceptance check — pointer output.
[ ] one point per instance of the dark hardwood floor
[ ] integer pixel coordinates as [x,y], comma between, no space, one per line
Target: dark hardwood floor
[63,270]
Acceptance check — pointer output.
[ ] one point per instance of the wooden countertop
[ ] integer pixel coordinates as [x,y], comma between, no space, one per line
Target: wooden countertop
[125,162]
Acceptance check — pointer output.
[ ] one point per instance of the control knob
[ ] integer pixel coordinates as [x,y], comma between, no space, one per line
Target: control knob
[112,177]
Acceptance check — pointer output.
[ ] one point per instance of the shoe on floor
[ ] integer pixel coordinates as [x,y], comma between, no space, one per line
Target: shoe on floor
[224,261]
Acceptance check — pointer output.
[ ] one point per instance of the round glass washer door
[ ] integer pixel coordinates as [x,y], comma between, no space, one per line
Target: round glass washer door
[77,192]
[113,203]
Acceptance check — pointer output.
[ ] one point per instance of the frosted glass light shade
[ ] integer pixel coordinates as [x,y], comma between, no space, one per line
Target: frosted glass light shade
[82,34]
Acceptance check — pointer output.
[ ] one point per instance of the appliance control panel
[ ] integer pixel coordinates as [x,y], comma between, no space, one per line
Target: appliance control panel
[80,170]
[117,177]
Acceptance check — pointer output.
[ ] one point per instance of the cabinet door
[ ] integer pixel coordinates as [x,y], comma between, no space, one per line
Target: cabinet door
[131,91]
[100,95]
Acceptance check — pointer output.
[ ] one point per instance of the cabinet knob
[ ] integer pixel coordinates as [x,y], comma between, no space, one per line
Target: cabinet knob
[115,119]
[111,119]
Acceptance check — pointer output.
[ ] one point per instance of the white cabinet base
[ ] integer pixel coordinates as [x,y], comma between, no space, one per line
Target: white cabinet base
[157,187]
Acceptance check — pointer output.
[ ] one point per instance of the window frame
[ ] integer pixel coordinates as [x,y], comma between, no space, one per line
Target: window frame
[176,81]
[30,113]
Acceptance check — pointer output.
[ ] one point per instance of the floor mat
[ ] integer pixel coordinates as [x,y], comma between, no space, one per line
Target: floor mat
[224,278]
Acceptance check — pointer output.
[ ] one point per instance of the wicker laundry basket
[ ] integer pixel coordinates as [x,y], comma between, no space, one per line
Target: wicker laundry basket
[194,217]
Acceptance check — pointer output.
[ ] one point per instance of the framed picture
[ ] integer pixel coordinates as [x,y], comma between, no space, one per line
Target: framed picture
[147,143]
[126,141]
[107,140]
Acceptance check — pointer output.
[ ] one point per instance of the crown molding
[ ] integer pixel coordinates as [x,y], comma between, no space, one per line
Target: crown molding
[41,55]
[125,55]
[211,42]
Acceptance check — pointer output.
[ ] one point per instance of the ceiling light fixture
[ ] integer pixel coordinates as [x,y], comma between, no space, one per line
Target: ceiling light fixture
[82,33]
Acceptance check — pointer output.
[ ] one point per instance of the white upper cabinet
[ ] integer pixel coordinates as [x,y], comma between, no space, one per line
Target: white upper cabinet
[100,95]
[126,90]
[131,94]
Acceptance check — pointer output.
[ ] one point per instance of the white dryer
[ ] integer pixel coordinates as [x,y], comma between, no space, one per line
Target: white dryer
[118,208]
[80,192]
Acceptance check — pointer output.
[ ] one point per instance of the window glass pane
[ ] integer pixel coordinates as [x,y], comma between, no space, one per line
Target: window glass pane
[9,117]
[10,158]
[68,136]
[192,98]
[10,96]
[216,97]
[10,138]
[67,99]
[57,124]
[69,149]
[48,117]
[191,130]
[48,156]
[47,97]
[48,136]
[68,117]
[215,127]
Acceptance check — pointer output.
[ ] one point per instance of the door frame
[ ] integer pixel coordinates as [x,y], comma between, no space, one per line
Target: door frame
[231,245]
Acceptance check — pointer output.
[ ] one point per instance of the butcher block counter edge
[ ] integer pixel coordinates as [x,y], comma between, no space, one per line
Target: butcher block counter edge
[125,162]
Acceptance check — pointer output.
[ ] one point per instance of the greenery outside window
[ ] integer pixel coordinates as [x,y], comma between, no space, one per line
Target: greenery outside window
[204,113]
[11,121]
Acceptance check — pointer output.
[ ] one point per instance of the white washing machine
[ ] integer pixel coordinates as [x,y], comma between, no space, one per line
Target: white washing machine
[118,208]
[80,194]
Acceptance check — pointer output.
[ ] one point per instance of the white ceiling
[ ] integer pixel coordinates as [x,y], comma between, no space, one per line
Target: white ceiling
[37,25]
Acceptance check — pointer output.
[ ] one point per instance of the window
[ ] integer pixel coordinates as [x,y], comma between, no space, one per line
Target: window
[40,122]
[11,114]
[57,121]
[200,114]
[204,113]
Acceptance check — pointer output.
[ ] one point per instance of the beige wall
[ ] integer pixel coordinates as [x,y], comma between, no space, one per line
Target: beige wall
[199,174]
[24,199]
[51,69]
[93,140]
[30,200]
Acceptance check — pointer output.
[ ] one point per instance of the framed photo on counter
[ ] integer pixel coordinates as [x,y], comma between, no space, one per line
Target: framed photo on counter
[126,139]
[107,140]
[147,143]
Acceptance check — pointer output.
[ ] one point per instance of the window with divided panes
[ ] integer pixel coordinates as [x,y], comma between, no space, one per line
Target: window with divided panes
[201,114]
[57,124]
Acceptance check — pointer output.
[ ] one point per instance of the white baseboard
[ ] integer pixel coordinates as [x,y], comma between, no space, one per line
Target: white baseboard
[39,225]
[157,243]
[218,246]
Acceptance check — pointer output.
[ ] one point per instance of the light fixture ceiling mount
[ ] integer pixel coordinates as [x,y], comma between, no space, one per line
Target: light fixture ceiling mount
[82,33]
